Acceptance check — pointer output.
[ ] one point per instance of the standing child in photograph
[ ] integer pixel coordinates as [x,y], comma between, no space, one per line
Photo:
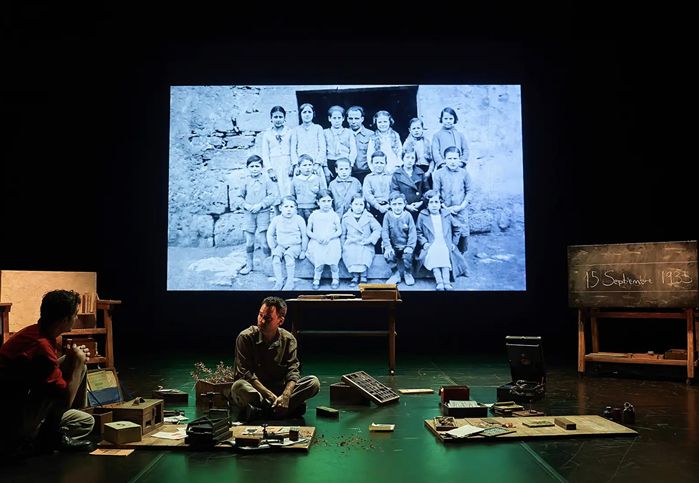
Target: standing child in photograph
[417,141]
[387,140]
[276,149]
[448,136]
[324,231]
[360,232]
[453,184]
[308,138]
[344,187]
[399,238]
[340,142]
[257,195]
[435,233]
[287,240]
[409,180]
[377,186]
[306,185]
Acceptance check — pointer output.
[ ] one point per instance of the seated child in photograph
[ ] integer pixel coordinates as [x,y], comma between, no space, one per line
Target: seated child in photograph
[324,231]
[287,239]
[377,186]
[344,186]
[399,238]
[409,180]
[435,233]
[305,186]
[360,232]
[422,147]
[257,195]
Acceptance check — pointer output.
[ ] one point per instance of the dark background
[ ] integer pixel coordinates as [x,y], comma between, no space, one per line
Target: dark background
[84,170]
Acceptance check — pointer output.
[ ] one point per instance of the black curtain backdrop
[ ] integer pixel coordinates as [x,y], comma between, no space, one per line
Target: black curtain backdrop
[84,174]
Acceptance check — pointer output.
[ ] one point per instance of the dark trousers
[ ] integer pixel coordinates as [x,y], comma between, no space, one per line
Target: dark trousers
[401,260]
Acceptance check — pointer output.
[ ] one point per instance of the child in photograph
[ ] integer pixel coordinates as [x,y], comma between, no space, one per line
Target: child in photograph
[257,195]
[306,185]
[453,184]
[324,231]
[360,232]
[409,180]
[417,141]
[387,140]
[308,138]
[340,142]
[276,149]
[377,186]
[344,187]
[436,234]
[399,238]
[448,136]
[287,240]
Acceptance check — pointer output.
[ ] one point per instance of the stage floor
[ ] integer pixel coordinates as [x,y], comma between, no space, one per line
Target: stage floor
[667,421]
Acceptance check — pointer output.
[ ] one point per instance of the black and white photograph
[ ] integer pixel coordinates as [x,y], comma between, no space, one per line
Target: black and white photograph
[324,187]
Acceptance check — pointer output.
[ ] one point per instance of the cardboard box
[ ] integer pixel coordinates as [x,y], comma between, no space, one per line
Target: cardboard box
[121,432]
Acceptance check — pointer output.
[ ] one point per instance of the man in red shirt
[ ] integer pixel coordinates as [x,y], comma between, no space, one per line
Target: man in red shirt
[39,389]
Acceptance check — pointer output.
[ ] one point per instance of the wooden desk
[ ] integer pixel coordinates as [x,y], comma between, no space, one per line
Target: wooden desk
[592,316]
[5,319]
[297,306]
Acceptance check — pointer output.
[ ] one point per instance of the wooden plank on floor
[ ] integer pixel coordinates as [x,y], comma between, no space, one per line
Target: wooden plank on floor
[587,425]
[149,442]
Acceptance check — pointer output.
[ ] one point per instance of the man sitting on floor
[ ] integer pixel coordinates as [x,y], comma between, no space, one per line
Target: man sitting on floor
[267,379]
[38,388]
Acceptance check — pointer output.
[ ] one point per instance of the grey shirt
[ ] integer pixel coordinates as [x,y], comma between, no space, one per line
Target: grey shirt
[273,364]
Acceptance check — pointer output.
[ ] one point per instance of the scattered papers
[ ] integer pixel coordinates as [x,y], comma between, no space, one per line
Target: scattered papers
[464,431]
[382,427]
[111,452]
[181,433]
[175,419]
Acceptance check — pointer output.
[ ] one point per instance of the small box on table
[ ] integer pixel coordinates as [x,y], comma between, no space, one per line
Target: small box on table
[121,432]
[147,413]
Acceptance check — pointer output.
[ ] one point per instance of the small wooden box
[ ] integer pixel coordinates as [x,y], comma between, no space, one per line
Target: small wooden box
[459,393]
[219,401]
[102,416]
[341,393]
[147,413]
[171,396]
[121,432]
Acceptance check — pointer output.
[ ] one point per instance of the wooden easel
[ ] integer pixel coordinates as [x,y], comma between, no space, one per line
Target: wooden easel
[592,315]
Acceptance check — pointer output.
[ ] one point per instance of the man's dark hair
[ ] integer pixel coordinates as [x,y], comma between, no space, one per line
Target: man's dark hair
[276,302]
[57,305]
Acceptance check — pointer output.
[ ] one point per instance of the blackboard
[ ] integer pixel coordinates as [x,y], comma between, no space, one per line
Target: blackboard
[659,274]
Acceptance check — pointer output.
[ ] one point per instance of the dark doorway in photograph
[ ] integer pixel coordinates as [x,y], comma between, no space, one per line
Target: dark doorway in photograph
[400,102]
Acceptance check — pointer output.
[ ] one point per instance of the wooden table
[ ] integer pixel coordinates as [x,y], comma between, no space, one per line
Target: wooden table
[297,306]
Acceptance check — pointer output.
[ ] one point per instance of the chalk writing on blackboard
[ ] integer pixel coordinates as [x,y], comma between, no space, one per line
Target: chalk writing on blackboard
[658,274]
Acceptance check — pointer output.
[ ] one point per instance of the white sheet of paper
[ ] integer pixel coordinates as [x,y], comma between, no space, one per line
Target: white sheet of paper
[464,431]
[181,433]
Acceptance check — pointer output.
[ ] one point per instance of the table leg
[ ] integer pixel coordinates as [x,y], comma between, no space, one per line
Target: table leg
[392,339]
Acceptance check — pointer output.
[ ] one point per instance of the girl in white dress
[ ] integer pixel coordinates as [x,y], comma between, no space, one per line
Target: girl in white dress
[435,234]
[324,231]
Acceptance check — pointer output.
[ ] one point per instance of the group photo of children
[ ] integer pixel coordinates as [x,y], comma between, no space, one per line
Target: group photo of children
[334,197]
[307,194]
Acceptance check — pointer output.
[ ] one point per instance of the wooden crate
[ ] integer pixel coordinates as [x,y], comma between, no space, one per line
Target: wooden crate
[148,413]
